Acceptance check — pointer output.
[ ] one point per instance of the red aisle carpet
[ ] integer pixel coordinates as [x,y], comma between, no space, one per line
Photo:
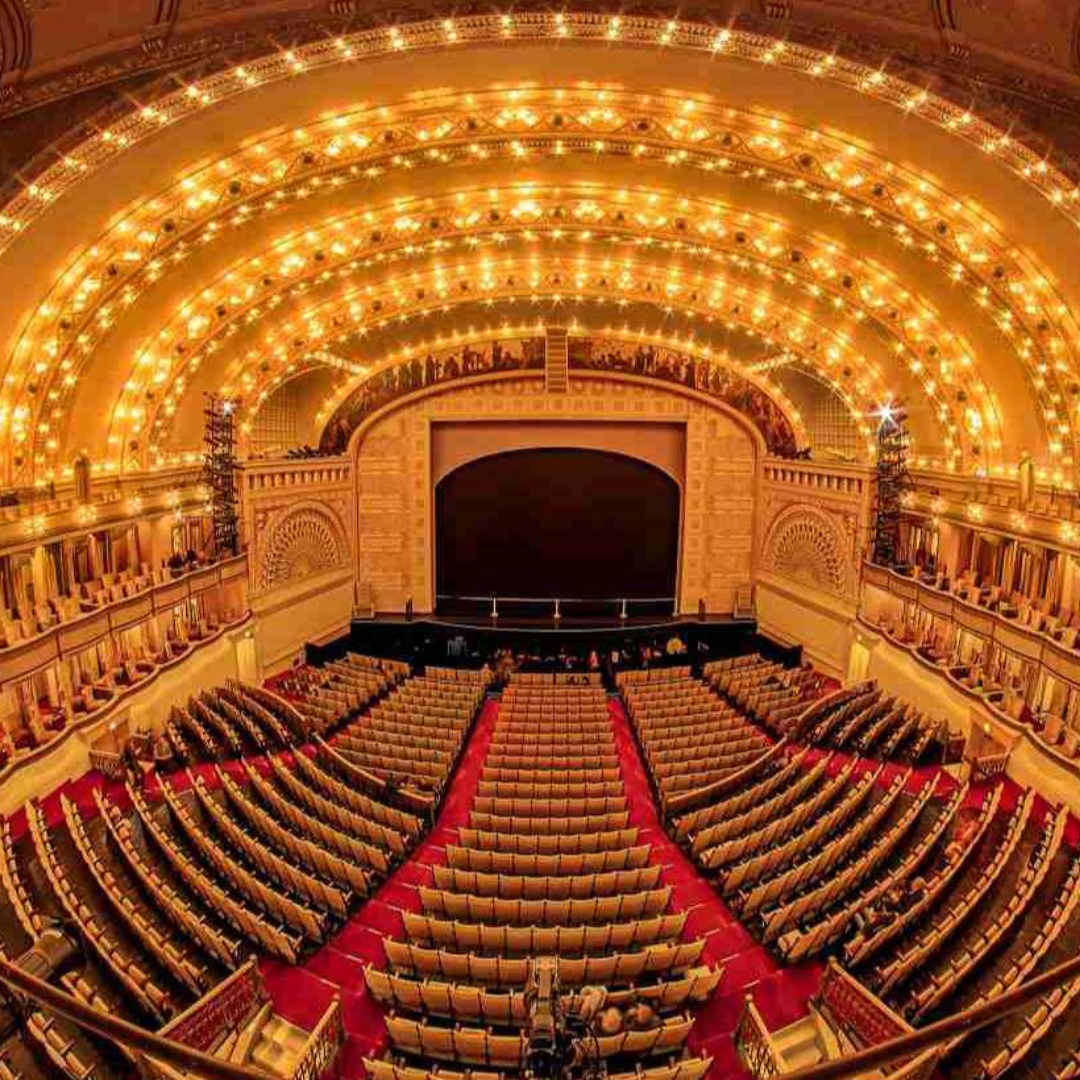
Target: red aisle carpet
[779,993]
[301,994]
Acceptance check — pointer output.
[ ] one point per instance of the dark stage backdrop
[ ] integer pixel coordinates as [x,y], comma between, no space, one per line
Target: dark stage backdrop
[556,523]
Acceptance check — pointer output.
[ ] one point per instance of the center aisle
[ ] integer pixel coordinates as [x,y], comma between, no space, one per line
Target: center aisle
[779,993]
[300,994]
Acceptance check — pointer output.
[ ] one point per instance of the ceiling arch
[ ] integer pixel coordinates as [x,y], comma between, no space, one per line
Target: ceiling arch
[842,211]
[626,223]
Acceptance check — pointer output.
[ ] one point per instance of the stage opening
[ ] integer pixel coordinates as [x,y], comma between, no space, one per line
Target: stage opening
[586,526]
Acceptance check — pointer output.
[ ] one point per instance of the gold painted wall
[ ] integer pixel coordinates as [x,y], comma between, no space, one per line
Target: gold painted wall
[392,471]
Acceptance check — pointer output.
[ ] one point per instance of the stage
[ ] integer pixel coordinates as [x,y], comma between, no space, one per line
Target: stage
[543,644]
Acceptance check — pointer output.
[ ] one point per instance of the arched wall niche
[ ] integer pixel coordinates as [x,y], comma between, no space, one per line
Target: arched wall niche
[296,541]
[804,543]
[393,472]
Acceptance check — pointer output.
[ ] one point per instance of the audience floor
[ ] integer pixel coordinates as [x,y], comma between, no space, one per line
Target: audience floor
[302,993]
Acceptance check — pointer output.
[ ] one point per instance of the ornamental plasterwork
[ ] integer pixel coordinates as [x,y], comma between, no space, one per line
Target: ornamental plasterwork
[814,547]
[393,481]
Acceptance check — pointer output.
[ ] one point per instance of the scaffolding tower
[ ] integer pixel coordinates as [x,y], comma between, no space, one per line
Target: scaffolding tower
[893,479]
[219,472]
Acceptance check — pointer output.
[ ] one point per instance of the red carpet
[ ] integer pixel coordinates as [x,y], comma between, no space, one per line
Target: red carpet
[301,994]
[780,994]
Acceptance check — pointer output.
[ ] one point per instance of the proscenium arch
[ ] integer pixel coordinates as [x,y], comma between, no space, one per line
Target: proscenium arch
[639,502]
[739,241]
[533,403]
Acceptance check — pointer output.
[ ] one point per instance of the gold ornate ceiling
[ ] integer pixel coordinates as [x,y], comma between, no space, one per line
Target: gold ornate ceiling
[780,207]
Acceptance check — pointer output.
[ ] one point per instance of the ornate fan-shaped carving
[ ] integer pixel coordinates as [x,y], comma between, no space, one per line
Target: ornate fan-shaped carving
[304,543]
[804,545]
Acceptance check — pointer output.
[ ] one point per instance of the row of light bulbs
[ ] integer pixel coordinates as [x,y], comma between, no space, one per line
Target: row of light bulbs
[746,241]
[961,122]
[442,288]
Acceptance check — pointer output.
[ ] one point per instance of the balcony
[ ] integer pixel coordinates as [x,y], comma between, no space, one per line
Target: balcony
[1038,646]
[72,675]
[22,657]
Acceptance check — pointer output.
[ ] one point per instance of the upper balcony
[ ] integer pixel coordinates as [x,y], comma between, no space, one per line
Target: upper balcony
[1017,659]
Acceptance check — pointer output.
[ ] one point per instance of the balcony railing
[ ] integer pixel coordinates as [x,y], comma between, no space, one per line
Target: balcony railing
[23,657]
[1037,647]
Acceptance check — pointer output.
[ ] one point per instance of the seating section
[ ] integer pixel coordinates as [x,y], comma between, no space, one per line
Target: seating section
[935,893]
[765,690]
[414,736]
[340,689]
[690,738]
[862,719]
[547,866]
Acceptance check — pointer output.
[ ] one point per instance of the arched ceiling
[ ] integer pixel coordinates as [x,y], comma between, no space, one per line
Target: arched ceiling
[335,203]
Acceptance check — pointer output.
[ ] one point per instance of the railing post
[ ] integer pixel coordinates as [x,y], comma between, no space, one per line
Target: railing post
[754,1043]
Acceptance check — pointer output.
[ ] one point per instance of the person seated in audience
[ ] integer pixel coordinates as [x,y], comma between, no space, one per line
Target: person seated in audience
[130,761]
[914,891]
[962,838]
[589,1002]
[609,1022]
[163,753]
[642,1017]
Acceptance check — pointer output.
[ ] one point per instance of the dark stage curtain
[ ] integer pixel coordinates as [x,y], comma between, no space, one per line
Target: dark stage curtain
[556,523]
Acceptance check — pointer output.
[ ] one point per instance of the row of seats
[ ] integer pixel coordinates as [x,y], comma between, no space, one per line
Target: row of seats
[143,922]
[154,999]
[767,691]
[559,938]
[689,737]
[685,1069]
[864,720]
[585,956]
[500,1008]
[431,717]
